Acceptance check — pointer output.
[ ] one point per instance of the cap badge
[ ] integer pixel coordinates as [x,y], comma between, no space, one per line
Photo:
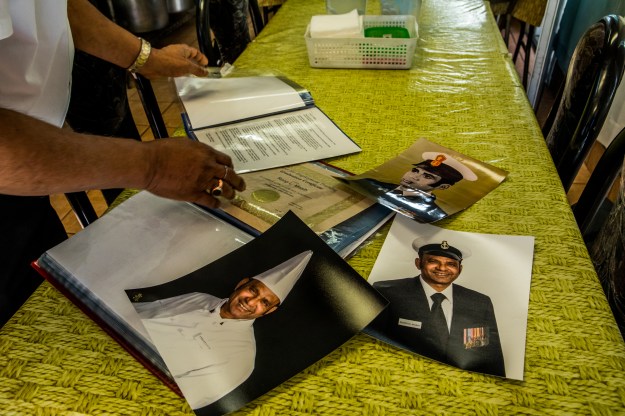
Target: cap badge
[438,160]
[444,245]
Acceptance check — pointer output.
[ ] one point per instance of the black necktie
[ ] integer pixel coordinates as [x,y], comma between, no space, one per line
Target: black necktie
[437,317]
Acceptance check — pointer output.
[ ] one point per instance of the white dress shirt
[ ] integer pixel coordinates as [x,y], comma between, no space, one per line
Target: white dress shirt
[208,356]
[36,56]
[447,305]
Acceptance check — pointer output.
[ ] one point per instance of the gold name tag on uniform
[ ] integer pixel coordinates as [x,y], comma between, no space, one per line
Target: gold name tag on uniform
[409,323]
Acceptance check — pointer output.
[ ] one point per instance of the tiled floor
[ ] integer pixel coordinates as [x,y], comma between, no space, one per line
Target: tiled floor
[167,99]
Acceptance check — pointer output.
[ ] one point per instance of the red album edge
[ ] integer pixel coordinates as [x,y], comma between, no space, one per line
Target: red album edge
[110,331]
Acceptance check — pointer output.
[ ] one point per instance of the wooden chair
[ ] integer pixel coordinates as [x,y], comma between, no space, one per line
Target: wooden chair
[582,105]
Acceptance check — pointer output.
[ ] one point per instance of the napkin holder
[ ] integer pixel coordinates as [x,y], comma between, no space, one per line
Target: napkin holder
[366,53]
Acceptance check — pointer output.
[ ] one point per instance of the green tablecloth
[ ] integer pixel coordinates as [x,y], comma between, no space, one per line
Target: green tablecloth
[461,92]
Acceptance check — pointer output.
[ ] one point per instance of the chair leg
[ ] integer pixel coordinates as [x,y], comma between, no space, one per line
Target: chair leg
[519,42]
[256,16]
[268,12]
[265,14]
[79,201]
[150,105]
[508,15]
[528,53]
[507,29]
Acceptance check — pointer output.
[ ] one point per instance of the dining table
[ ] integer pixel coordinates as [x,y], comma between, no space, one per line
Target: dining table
[462,92]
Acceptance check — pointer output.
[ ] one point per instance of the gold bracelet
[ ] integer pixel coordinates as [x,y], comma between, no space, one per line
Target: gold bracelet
[143,56]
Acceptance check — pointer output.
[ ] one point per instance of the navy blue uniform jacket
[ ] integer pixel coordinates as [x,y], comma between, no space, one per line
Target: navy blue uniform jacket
[473,313]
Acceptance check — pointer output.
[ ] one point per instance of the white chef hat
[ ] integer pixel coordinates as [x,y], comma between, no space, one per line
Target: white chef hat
[281,279]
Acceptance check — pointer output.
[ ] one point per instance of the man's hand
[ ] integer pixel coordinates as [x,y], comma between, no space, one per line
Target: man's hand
[186,170]
[174,61]
[95,34]
[37,158]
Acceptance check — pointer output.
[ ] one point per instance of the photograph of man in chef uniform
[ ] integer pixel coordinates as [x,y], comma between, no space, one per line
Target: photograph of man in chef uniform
[235,328]
[208,342]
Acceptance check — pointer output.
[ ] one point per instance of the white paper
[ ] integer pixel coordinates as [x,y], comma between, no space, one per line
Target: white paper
[145,241]
[500,266]
[279,140]
[209,101]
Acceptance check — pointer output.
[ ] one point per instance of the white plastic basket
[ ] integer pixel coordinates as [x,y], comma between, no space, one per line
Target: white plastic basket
[371,53]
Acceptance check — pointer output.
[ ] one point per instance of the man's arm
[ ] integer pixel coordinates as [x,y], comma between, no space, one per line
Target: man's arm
[95,34]
[37,158]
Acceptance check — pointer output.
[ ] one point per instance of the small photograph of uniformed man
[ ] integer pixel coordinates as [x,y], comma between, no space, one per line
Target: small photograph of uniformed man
[428,182]
[472,323]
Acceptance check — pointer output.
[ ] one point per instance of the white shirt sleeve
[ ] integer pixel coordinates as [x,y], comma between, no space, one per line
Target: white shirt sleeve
[6,24]
[176,305]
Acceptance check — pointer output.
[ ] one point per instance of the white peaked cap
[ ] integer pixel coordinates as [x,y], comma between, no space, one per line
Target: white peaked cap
[281,279]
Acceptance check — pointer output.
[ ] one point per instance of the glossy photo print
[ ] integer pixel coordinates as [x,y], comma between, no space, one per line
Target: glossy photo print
[238,327]
[428,182]
[456,297]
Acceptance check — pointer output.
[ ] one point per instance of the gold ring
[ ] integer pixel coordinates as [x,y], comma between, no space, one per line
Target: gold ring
[217,189]
[225,173]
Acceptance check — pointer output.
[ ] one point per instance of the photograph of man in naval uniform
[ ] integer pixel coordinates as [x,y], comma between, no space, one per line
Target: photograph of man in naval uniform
[207,342]
[431,314]
[437,318]
[437,171]
[428,182]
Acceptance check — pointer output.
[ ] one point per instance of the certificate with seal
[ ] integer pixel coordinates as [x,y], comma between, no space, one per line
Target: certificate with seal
[310,190]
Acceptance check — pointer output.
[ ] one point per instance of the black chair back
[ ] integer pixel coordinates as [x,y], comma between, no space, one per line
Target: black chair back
[592,201]
[223,29]
[608,248]
[595,71]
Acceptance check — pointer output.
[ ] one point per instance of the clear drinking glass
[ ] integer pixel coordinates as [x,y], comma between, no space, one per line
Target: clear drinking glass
[345,6]
[405,7]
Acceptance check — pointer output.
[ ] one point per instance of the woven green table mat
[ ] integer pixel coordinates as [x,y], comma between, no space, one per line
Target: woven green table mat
[462,92]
